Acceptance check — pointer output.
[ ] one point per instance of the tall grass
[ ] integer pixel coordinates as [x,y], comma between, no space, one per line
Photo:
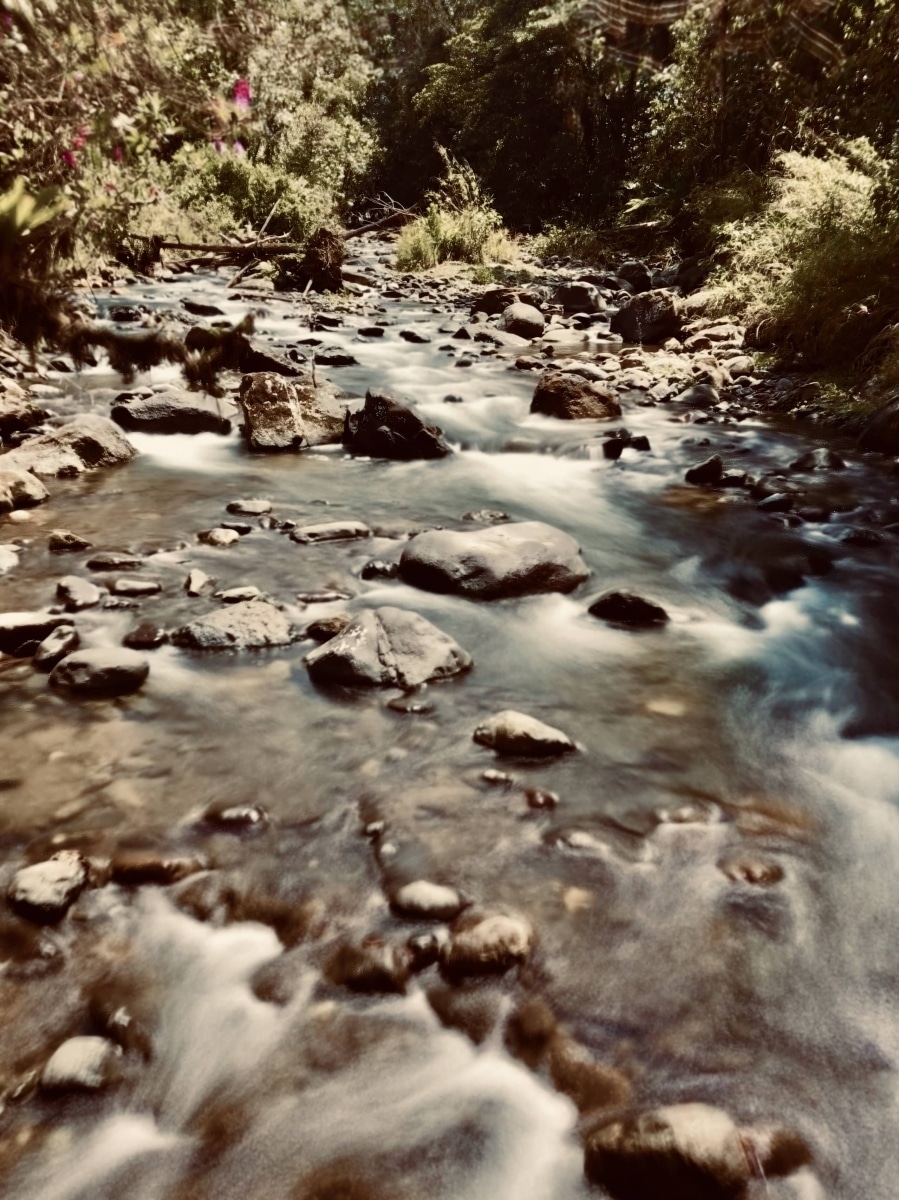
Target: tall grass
[460,224]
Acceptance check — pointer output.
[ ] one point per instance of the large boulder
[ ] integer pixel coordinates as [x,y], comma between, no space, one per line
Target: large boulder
[571,398]
[628,611]
[250,625]
[167,412]
[636,274]
[288,414]
[578,297]
[683,1152]
[517,559]
[523,320]
[649,317]
[79,445]
[385,428]
[22,632]
[17,410]
[517,734]
[388,647]
[101,671]
[19,489]
[882,431]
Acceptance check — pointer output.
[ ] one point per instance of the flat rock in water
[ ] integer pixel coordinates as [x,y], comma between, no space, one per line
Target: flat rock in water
[82,1064]
[220,537]
[424,900]
[22,632]
[629,611]
[684,1150]
[515,733]
[487,944]
[63,541]
[571,398]
[289,414]
[113,560]
[330,531]
[251,625]
[135,587]
[79,445]
[250,508]
[102,671]
[76,593]
[44,891]
[19,489]
[62,641]
[167,412]
[387,647]
[385,428]
[519,558]
[197,582]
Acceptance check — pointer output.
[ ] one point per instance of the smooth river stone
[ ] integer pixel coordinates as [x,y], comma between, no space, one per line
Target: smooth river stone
[517,559]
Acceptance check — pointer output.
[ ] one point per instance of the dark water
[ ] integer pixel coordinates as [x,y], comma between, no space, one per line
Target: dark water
[759,726]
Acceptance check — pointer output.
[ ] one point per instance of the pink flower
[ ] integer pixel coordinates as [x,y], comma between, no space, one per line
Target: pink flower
[239,149]
[78,142]
[217,145]
[68,158]
[118,154]
[242,94]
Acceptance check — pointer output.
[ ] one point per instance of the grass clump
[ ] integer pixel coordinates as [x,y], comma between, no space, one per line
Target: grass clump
[460,225]
[571,240]
[813,269]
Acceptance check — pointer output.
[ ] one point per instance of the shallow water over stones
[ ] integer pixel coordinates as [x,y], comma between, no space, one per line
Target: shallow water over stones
[704,912]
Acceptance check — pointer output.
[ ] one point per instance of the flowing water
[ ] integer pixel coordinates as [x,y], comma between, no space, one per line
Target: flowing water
[755,727]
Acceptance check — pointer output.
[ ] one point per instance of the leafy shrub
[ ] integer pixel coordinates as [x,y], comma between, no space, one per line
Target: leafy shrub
[235,193]
[572,240]
[814,270]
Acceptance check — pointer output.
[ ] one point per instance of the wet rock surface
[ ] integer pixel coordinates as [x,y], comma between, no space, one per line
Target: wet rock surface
[81,444]
[386,428]
[289,414]
[459,965]
[514,559]
[388,646]
[101,671]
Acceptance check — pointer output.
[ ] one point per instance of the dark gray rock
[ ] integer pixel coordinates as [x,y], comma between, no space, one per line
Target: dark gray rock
[167,412]
[22,632]
[415,336]
[523,320]
[330,531]
[145,636]
[707,473]
[637,274]
[63,541]
[19,489]
[385,428]
[369,967]
[571,398]
[515,559]
[252,625]
[79,445]
[578,297]
[822,458]
[289,414]
[114,560]
[387,647]
[629,611]
[18,411]
[62,641]
[650,317]
[45,891]
[700,395]
[516,734]
[101,671]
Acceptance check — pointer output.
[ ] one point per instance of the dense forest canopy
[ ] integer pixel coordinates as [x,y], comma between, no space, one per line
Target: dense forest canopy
[759,134]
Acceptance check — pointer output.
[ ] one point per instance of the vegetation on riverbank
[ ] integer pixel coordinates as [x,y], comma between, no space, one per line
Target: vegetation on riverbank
[766,154]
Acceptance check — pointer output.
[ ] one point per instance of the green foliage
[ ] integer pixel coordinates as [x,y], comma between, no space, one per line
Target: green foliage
[814,270]
[460,224]
[234,193]
[572,240]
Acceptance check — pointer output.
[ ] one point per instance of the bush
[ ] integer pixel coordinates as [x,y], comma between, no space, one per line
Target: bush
[232,192]
[460,224]
[814,270]
[572,240]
